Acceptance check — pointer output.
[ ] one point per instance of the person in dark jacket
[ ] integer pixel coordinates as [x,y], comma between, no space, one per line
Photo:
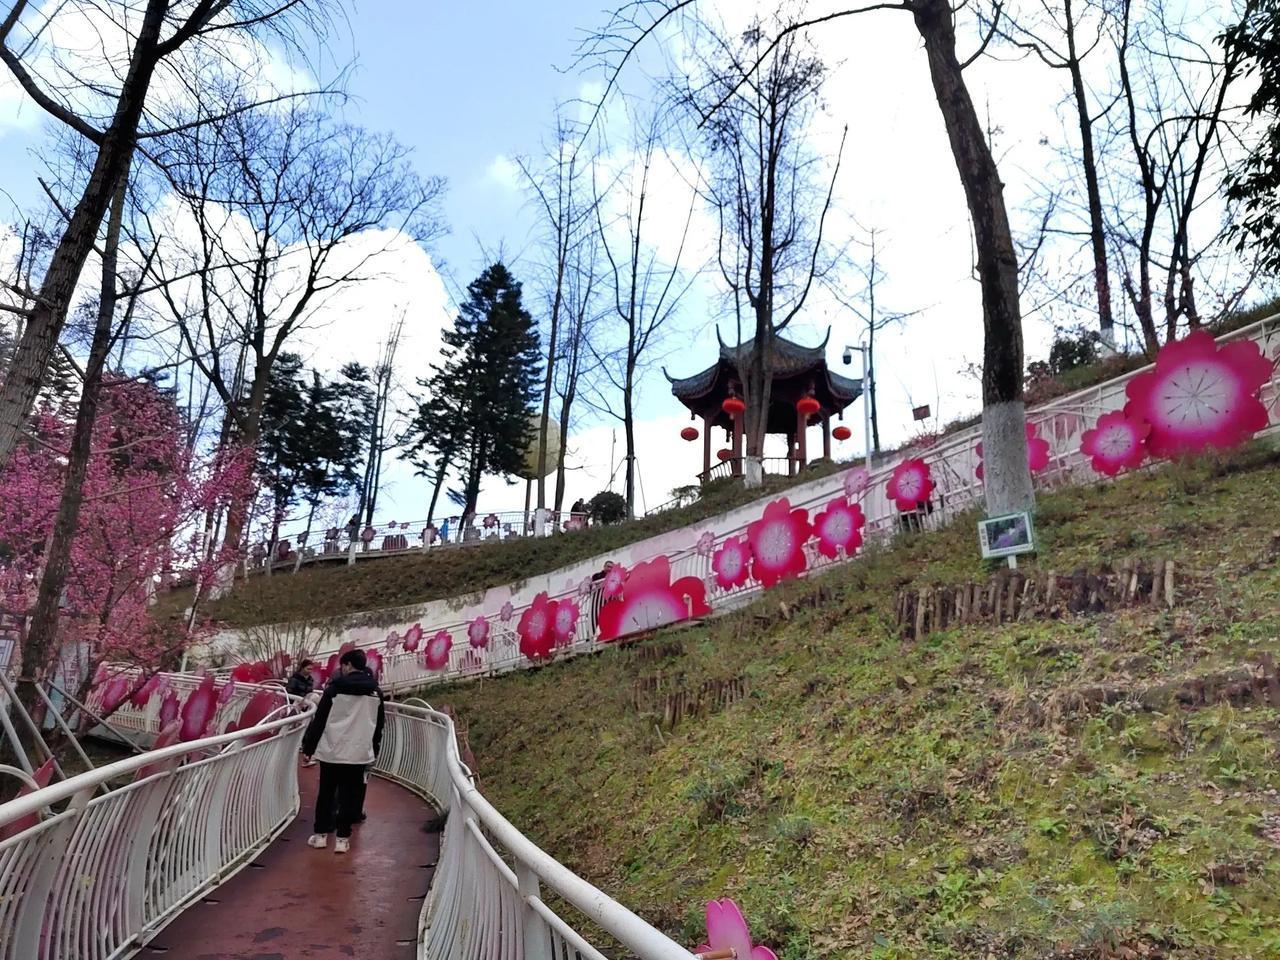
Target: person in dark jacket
[301,682]
[344,735]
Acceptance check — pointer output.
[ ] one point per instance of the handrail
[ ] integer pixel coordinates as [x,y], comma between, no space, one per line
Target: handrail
[471,895]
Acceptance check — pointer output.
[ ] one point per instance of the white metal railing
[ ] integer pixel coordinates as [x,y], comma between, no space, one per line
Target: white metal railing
[487,898]
[99,875]
[953,461]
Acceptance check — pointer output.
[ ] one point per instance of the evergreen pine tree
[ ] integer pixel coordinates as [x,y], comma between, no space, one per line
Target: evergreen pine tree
[479,399]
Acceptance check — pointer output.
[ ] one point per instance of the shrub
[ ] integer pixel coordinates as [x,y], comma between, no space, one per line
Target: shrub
[607,507]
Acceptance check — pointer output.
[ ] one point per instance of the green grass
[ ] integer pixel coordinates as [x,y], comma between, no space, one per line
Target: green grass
[335,589]
[877,798]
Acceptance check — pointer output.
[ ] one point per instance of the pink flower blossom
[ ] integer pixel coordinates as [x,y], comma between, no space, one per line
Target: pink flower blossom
[614,579]
[652,600]
[1116,443]
[478,633]
[142,696]
[910,485]
[436,655]
[584,587]
[566,621]
[168,708]
[706,543]
[839,528]
[727,930]
[732,563]
[373,660]
[197,712]
[226,692]
[777,542]
[537,628]
[1037,451]
[392,642]
[856,481]
[507,612]
[1200,395]
[413,637]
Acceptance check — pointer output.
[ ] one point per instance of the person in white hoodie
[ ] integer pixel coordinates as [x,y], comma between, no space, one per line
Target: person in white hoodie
[344,735]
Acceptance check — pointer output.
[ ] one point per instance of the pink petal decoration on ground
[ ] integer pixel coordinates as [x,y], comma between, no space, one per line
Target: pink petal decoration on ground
[652,600]
[910,485]
[777,542]
[1116,443]
[436,655]
[536,628]
[1200,395]
[839,528]
[727,930]
[732,563]
[478,633]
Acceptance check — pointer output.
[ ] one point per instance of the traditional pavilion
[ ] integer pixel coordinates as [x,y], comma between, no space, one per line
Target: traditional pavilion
[803,393]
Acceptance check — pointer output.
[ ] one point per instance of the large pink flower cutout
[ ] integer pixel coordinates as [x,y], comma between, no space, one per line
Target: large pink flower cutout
[393,641]
[478,633]
[114,693]
[652,601]
[169,708]
[153,685]
[856,481]
[226,692]
[706,543]
[1200,395]
[197,712]
[537,628]
[613,581]
[436,654]
[727,930]
[777,542]
[839,528]
[1037,451]
[732,563]
[566,621]
[413,637]
[584,587]
[507,612]
[373,659]
[1116,443]
[910,485]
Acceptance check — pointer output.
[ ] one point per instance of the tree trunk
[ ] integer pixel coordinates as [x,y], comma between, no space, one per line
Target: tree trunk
[1097,236]
[566,402]
[49,314]
[40,647]
[546,387]
[629,430]
[441,471]
[1007,476]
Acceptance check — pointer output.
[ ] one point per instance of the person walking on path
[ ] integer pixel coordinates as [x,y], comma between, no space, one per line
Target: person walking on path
[344,735]
[301,682]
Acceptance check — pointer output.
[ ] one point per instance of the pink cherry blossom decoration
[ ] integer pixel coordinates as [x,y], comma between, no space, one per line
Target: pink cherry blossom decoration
[566,620]
[727,930]
[706,543]
[392,641]
[1037,451]
[732,563]
[436,654]
[652,600]
[856,481]
[584,587]
[1116,443]
[1200,395]
[507,612]
[478,633]
[911,484]
[613,581]
[413,637]
[197,712]
[169,708]
[777,542]
[226,692]
[536,628]
[839,528]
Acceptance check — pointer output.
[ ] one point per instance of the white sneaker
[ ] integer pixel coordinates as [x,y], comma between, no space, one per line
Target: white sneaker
[342,845]
[318,840]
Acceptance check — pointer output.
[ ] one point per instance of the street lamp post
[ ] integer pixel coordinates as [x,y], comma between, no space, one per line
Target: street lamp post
[865,351]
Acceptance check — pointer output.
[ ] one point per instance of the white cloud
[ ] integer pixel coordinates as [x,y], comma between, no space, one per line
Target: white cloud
[505,172]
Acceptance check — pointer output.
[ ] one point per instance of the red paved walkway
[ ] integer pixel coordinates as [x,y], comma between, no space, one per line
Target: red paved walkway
[294,902]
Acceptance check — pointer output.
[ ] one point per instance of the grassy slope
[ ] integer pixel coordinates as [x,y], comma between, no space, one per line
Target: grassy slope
[889,799]
[336,589]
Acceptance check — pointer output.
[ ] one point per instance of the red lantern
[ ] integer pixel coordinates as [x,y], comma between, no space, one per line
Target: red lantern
[842,433]
[689,433]
[724,453]
[807,406]
[733,406]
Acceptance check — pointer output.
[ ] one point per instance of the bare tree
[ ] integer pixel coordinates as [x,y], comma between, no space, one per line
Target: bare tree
[1008,479]
[754,99]
[281,207]
[646,288]
[106,103]
[584,314]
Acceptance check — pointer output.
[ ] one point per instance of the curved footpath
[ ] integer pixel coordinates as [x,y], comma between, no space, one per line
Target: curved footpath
[294,902]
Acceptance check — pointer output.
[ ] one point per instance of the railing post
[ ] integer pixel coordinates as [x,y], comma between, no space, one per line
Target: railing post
[35,899]
[533,932]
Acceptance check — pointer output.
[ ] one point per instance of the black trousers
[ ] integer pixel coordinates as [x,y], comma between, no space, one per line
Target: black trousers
[339,798]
